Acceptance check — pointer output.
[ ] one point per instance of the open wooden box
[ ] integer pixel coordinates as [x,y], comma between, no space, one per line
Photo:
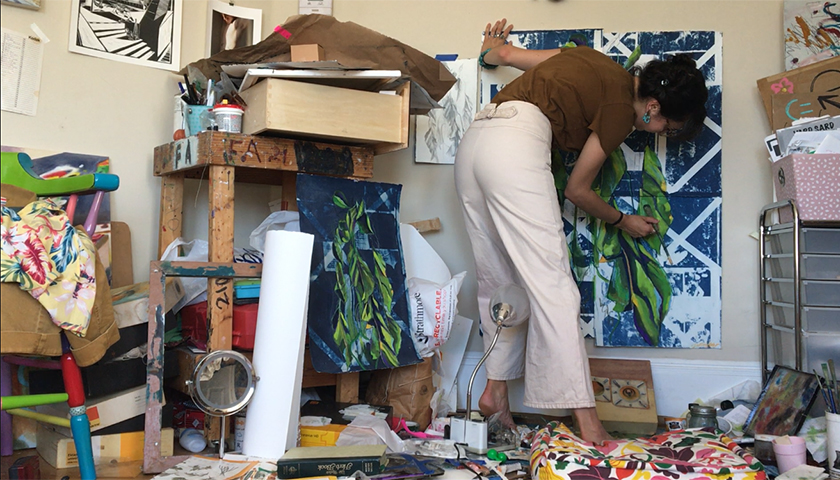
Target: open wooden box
[328,113]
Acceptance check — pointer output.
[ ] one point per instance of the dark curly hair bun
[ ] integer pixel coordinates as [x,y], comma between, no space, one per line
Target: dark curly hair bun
[680,89]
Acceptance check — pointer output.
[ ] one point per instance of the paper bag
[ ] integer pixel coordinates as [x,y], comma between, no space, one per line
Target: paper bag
[407,389]
[818,77]
[352,45]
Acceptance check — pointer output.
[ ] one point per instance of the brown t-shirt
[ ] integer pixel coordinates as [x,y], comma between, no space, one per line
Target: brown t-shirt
[580,90]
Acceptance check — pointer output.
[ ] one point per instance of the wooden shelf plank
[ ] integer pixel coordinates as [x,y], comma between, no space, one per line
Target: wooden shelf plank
[263,153]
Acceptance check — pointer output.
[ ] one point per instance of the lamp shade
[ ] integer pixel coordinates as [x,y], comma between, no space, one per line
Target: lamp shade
[509,305]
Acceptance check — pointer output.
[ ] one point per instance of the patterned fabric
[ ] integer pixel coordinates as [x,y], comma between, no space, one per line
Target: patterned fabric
[47,257]
[699,454]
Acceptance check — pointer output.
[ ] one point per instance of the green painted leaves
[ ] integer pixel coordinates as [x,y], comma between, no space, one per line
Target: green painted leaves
[637,282]
[365,330]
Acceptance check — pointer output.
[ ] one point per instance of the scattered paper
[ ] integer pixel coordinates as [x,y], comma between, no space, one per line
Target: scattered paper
[207,468]
[22,58]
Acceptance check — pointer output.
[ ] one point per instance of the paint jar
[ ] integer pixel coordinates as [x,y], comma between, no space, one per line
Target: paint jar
[228,117]
[789,452]
[198,119]
[238,431]
[700,416]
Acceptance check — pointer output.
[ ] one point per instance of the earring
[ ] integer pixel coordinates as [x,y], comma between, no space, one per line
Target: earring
[646,117]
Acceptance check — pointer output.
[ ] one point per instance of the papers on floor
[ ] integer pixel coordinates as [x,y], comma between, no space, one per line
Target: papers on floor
[810,136]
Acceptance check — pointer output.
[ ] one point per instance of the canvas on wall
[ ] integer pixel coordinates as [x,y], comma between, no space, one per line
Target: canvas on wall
[229,26]
[146,33]
[662,291]
[358,297]
[811,32]
[438,133]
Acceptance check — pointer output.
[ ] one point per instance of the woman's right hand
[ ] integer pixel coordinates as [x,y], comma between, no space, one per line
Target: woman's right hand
[495,34]
[638,226]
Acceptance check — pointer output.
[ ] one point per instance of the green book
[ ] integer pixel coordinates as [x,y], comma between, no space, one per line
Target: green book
[336,461]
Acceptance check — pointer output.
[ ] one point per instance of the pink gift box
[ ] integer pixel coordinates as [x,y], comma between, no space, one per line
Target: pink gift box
[812,182]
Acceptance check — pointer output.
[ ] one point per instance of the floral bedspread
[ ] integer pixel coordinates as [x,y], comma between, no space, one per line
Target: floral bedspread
[47,257]
[697,454]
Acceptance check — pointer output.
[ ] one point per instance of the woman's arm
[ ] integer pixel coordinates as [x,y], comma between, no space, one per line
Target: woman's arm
[579,191]
[502,54]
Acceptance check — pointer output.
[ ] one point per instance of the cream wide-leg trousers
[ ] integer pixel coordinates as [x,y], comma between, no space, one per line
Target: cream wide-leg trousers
[504,181]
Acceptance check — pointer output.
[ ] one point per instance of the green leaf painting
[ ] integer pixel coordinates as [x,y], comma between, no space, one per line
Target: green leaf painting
[358,317]
[638,282]
[365,330]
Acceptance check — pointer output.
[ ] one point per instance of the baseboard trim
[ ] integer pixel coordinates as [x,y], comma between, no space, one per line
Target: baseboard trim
[677,382]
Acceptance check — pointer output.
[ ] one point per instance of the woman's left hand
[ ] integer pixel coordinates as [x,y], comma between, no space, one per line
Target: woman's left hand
[495,35]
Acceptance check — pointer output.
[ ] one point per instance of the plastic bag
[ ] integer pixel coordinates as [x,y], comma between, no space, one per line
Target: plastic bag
[282,220]
[433,308]
[194,251]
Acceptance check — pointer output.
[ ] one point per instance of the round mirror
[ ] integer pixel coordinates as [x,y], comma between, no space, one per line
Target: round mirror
[223,382]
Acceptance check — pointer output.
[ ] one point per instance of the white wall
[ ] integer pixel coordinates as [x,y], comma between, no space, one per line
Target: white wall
[97,106]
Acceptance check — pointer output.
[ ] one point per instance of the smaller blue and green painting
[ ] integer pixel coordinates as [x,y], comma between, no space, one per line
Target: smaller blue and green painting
[358,296]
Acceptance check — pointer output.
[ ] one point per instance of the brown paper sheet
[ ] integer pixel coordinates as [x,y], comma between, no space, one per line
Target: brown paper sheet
[351,44]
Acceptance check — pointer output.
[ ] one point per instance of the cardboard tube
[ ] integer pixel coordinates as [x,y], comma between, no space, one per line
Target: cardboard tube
[271,423]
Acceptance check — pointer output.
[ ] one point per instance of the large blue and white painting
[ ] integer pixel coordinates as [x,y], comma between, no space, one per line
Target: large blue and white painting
[672,282]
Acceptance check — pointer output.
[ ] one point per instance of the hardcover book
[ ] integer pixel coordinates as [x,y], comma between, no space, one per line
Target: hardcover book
[331,461]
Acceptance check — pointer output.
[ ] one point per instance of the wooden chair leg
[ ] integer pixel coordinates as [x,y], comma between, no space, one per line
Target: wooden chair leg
[79,422]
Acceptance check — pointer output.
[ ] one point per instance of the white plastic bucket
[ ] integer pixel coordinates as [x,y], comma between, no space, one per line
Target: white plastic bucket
[832,421]
[228,118]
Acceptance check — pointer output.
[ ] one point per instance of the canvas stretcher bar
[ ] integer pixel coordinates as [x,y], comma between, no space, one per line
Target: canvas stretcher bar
[153,462]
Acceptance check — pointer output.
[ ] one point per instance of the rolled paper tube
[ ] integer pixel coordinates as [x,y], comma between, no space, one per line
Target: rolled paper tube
[271,422]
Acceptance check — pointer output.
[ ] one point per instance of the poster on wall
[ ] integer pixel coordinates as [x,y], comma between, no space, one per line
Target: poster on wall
[146,33]
[229,26]
[664,290]
[438,133]
[810,32]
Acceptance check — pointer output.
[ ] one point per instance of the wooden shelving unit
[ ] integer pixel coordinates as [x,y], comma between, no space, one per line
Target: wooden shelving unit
[224,159]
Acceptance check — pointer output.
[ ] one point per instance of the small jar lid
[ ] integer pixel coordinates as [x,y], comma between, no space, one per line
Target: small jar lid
[703,410]
[219,106]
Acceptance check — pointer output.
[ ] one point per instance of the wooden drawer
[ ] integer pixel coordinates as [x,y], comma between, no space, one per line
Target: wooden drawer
[328,113]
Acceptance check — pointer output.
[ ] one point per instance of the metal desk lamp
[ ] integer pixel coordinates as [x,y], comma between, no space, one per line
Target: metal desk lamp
[509,307]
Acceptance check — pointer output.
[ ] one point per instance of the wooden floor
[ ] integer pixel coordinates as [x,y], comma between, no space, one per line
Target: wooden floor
[128,471]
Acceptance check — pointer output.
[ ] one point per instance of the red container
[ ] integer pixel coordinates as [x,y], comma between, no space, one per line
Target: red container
[194,325]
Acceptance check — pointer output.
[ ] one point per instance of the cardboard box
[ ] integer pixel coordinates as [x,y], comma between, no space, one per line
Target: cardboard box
[817,77]
[131,303]
[328,114]
[811,182]
[311,52]
[788,107]
[60,451]
[105,411]
[325,436]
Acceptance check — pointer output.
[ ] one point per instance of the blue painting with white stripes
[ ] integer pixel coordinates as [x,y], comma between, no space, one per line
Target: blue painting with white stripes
[358,296]
[689,255]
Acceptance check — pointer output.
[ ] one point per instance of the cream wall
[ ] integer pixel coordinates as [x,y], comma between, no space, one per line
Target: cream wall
[96,106]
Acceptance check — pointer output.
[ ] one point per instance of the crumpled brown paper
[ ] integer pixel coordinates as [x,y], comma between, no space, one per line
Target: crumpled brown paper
[352,45]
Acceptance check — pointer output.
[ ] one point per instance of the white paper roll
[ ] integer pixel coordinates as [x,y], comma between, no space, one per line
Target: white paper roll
[271,424]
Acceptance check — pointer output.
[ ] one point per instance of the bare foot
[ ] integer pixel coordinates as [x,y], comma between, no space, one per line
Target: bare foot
[495,399]
[591,429]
